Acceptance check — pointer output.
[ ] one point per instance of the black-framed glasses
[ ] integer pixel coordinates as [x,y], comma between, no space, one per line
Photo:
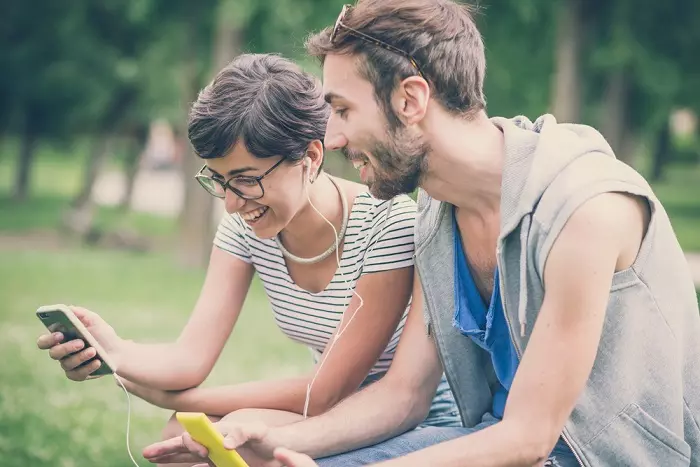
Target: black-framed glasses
[372,40]
[245,186]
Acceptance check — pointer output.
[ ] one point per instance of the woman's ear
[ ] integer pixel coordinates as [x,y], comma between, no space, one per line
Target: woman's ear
[314,152]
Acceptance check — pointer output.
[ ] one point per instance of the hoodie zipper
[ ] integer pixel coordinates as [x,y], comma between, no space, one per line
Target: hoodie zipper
[439,350]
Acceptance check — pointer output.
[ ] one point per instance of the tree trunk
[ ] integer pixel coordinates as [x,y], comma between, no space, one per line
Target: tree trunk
[98,156]
[614,122]
[661,154]
[25,159]
[78,218]
[566,90]
[137,143]
[196,225]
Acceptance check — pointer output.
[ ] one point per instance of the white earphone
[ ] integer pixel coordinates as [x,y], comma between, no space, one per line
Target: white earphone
[307,168]
[341,328]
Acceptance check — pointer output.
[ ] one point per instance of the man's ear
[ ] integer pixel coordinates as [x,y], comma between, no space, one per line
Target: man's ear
[410,100]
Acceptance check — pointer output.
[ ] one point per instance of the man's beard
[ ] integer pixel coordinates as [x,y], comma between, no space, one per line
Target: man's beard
[401,163]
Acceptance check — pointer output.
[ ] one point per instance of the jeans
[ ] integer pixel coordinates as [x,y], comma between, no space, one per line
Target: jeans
[423,437]
[443,409]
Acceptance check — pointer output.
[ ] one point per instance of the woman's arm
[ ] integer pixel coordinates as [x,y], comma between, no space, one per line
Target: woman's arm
[386,295]
[187,362]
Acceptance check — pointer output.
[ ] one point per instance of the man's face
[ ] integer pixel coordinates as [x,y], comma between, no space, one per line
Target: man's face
[391,161]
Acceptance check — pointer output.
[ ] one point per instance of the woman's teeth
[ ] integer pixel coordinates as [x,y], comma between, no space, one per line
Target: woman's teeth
[252,216]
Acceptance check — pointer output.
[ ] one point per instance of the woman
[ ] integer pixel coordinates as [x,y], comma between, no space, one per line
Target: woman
[317,242]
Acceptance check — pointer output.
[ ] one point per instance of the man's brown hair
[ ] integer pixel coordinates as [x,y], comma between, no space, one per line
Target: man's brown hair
[440,35]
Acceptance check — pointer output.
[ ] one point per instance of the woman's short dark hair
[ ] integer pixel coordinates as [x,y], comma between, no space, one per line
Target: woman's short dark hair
[262,100]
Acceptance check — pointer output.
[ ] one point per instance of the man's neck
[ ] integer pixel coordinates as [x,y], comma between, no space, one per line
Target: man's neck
[466,162]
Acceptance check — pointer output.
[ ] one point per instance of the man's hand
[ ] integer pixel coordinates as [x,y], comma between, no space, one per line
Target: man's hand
[286,457]
[251,437]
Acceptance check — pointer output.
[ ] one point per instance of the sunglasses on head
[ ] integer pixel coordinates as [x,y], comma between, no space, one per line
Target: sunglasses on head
[361,35]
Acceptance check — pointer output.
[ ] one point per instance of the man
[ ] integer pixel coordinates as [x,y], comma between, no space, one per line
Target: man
[555,294]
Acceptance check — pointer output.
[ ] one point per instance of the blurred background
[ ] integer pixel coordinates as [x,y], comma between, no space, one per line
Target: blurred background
[98,205]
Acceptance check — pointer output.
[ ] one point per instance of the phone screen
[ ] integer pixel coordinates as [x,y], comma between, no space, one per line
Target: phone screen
[55,321]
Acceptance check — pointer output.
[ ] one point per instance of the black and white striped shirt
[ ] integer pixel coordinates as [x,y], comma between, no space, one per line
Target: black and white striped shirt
[373,243]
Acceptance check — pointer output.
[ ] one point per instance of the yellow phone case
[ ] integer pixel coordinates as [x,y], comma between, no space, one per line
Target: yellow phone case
[203,431]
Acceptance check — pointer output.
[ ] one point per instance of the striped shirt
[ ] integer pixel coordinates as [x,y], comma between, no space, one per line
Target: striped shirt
[373,243]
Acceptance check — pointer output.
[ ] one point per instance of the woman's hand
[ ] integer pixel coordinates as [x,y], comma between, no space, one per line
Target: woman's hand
[72,354]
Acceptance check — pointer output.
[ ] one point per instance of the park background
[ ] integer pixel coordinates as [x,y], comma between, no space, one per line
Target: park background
[98,205]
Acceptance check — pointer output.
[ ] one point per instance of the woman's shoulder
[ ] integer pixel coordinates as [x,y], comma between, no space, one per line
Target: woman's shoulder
[399,205]
[234,224]
[368,209]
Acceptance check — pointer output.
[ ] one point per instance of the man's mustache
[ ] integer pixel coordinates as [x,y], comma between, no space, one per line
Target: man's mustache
[352,155]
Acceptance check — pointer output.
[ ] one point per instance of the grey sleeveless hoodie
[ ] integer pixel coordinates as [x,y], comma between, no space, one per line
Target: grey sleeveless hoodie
[641,404]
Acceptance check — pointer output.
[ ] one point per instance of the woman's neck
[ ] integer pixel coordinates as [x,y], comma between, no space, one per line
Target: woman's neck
[308,234]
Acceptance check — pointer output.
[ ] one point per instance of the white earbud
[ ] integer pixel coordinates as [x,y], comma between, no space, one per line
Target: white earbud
[307,168]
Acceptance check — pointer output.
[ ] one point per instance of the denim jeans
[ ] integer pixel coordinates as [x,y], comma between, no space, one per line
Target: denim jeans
[423,437]
[443,409]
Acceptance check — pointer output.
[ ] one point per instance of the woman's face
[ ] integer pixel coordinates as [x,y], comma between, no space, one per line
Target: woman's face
[283,189]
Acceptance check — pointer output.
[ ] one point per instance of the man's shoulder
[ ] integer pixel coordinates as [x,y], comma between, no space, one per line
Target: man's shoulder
[596,173]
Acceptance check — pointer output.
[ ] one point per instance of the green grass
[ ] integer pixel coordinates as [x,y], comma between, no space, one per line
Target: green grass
[54,183]
[44,212]
[47,420]
[680,195]
[146,298]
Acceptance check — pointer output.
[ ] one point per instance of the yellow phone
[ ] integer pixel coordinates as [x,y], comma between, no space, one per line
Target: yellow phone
[203,431]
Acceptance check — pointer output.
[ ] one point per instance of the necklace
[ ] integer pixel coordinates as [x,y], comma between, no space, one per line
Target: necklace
[331,249]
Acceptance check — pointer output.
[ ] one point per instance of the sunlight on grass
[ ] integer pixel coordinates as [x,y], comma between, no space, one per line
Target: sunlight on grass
[146,298]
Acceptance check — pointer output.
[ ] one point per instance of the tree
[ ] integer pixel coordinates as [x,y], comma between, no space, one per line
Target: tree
[566,88]
[71,72]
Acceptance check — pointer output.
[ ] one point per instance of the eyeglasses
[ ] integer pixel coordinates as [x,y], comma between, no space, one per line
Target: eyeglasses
[361,35]
[246,187]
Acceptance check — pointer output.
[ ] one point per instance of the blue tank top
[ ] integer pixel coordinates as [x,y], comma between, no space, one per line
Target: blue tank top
[484,323]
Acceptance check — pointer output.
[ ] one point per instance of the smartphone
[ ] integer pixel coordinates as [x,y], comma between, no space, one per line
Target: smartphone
[205,433]
[60,318]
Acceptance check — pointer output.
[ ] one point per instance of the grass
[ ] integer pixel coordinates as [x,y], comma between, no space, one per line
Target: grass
[47,420]
[55,181]
[145,298]
[680,194]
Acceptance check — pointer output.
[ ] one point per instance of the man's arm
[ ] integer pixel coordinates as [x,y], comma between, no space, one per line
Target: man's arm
[601,237]
[393,405]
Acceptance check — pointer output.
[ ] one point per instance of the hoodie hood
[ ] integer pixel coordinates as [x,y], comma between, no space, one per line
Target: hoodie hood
[535,153]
